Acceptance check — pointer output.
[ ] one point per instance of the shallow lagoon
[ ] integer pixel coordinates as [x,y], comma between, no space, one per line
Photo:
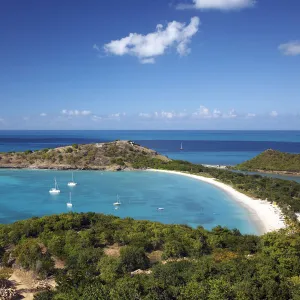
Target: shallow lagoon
[25,193]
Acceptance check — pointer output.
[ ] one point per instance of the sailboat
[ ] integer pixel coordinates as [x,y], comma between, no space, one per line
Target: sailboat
[54,190]
[72,183]
[69,204]
[118,201]
[181,147]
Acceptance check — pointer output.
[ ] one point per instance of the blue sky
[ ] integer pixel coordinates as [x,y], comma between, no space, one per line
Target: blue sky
[150,64]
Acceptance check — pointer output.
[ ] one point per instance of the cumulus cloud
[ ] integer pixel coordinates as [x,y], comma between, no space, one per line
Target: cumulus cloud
[117,115]
[217,113]
[232,114]
[167,115]
[218,4]
[274,114]
[250,115]
[75,112]
[145,115]
[147,47]
[290,49]
[202,112]
[43,114]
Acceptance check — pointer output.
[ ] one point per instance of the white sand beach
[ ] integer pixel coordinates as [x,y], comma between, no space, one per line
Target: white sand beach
[266,216]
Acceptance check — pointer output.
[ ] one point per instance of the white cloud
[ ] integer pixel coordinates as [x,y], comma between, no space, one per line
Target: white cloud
[167,115]
[43,114]
[218,4]
[75,112]
[147,60]
[217,113]
[202,112]
[96,118]
[26,118]
[232,114]
[117,115]
[2,121]
[145,115]
[148,47]
[290,49]
[250,115]
[274,114]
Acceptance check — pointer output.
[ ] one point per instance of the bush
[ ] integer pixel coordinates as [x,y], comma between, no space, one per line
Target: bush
[133,258]
[69,150]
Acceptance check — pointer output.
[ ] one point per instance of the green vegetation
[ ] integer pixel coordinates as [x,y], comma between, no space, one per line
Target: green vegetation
[272,160]
[199,264]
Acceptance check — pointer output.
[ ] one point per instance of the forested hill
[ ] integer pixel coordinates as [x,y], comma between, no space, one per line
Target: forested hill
[116,155]
[98,257]
[272,160]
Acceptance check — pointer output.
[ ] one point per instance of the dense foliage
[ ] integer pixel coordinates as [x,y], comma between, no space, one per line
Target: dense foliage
[201,264]
[272,160]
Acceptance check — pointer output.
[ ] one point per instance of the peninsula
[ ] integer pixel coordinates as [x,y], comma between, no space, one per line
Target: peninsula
[117,155]
[273,161]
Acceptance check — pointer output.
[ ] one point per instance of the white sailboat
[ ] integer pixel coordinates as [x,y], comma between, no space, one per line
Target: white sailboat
[69,204]
[181,147]
[72,183]
[160,209]
[54,190]
[118,201]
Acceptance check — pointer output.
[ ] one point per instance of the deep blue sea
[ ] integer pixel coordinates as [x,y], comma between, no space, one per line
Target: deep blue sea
[25,193]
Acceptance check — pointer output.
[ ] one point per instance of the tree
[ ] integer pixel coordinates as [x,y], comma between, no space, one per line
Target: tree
[133,258]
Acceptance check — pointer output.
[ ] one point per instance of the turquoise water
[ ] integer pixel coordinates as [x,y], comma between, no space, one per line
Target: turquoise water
[25,193]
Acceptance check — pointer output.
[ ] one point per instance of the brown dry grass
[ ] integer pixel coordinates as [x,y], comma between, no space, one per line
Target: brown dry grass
[113,250]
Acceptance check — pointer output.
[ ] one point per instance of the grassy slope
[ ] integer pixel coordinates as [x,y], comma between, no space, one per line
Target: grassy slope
[116,155]
[271,160]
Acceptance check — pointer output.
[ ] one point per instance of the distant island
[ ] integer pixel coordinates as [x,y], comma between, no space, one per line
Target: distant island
[117,155]
[273,161]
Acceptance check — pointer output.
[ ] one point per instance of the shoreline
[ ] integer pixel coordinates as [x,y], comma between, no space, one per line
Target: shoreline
[266,216]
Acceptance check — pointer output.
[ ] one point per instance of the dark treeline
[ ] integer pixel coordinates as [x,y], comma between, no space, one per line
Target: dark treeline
[284,192]
[218,264]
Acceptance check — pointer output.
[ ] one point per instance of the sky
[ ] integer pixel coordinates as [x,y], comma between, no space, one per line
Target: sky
[150,64]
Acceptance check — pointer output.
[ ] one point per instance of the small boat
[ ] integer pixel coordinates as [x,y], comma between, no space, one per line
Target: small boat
[118,202]
[54,190]
[181,147]
[69,204]
[160,208]
[72,183]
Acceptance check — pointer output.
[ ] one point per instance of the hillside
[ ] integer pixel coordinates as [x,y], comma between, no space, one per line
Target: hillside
[271,160]
[94,256]
[116,155]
